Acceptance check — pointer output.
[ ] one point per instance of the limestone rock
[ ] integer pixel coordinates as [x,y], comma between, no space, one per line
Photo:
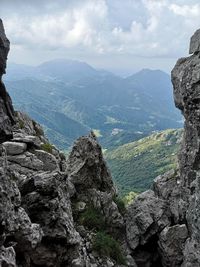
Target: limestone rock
[195,43]
[171,243]
[30,140]
[38,191]
[14,148]
[86,166]
[146,216]
[7,257]
[6,108]
[49,160]
[27,160]
[186,81]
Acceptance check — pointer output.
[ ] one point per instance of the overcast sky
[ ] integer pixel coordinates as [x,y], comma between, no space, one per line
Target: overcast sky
[120,35]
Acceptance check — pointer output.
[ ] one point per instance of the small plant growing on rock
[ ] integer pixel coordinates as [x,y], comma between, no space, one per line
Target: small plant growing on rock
[120,204]
[21,124]
[128,199]
[106,245]
[47,147]
[38,130]
[92,219]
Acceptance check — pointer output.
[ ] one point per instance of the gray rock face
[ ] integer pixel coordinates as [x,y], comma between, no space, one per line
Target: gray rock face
[49,161]
[14,148]
[186,81]
[38,195]
[195,43]
[86,166]
[177,241]
[147,216]
[171,243]
[6,108]
[88,172]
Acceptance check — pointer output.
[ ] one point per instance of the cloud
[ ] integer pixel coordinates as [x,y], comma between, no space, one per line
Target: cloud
[145,28]
[66,28]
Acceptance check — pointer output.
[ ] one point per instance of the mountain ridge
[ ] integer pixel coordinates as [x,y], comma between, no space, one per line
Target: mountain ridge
[105,103]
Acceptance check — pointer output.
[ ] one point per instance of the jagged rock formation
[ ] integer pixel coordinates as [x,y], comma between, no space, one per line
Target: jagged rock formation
[186,81]
[163,224]
[6,108]
[45,199]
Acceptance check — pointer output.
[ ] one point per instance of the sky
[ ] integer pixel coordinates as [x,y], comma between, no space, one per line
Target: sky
[122,36]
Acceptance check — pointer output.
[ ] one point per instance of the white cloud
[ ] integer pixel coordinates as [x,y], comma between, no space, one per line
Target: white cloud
[151,28]
[186,11]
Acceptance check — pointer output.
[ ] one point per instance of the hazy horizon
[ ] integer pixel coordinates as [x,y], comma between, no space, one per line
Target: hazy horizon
[121,73]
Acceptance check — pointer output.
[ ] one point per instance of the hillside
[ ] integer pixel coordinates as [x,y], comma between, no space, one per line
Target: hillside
[135,165]
[75,98]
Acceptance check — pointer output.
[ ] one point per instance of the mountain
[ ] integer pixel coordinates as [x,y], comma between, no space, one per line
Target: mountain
[119,110]
[135,165]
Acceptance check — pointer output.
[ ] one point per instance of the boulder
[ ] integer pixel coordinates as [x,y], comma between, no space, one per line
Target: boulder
[171,243]
[30,140]
[14,148]
[146,216]
[87,167]
[49,160]
[7,257]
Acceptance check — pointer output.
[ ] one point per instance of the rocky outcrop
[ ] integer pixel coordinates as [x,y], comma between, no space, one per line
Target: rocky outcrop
[6,108]
[44,199]
[163,225]
[50,208]
[186,81]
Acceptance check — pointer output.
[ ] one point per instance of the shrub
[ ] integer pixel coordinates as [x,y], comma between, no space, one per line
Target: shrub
[21,124]
[128,199]
[106,245]
[47,147]
[120,204]
[92,218]
[38,130]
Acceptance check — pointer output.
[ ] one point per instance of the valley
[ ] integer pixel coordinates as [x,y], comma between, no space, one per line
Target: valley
[130,116]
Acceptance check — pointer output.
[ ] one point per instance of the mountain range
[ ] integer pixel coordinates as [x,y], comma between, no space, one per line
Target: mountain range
[70,98]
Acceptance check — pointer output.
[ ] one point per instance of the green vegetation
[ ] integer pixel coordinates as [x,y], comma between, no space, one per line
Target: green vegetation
[123,110]
[120,204]
[47,147]
[106,245]
[129,198]
[39,131]
[21,124]
[92,219]
[136,164]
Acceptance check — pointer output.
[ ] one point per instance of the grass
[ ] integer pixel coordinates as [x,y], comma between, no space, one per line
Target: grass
[47,147]
[106,245]
[136,164]
[21,124]
[120,204]
[92,219]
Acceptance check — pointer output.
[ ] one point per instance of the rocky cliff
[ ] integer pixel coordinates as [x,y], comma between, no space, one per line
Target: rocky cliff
[53,211]
[163,223]
[58,212]
[6,108]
